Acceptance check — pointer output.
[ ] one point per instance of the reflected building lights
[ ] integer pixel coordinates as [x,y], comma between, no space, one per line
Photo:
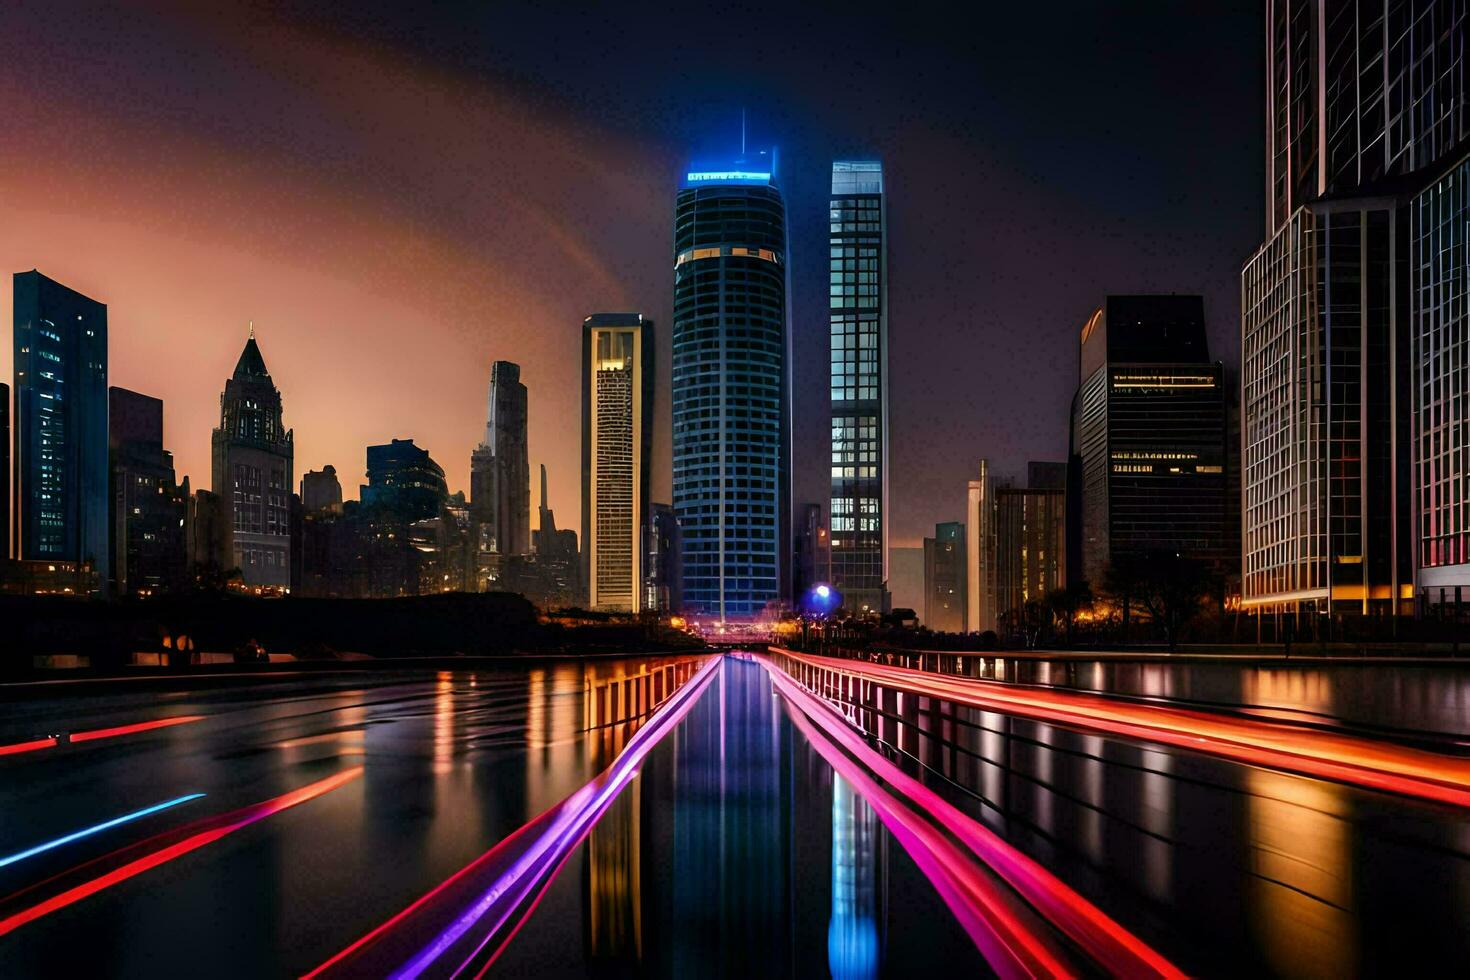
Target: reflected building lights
[854,945]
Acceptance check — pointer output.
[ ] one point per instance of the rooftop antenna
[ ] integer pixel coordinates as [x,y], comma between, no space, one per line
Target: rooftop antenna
[252,329]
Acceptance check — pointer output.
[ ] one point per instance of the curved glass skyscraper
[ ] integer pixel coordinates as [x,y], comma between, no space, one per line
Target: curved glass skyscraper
[731,397]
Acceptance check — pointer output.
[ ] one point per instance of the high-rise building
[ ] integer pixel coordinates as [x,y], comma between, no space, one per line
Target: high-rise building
[858,320]
[321,491]
[404,481]
[1351,330]
[813,552]
[1149,424]
[500,469]
[149,509]
[5,516]
[558,563]
[1030,540]
[665,577]
[253,455]
[945,575]
[617,437]
[61,473]
[731,388]
[980,611]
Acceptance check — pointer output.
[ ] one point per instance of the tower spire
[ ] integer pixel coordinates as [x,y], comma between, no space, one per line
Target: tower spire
[742,130]
[252,329]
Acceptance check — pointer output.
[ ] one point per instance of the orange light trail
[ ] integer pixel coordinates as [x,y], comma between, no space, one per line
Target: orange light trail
[1326,755]
[231,823]
[142,726]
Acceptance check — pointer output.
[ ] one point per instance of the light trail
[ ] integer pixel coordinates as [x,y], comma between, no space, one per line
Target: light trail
[1342,758]
[16,748]
[97,828]
[94,734]
[221,826]
[142,726]
[497,911]
[1108,943]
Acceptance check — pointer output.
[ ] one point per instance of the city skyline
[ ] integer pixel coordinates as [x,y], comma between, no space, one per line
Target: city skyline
[179,260]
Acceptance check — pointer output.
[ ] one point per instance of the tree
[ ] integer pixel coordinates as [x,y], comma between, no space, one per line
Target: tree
[1172,589]
[1067,603]
[1121,583]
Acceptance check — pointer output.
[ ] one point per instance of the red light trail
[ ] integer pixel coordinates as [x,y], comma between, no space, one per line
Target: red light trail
[1276,745]
[217,827]
[94,734]
[986,911]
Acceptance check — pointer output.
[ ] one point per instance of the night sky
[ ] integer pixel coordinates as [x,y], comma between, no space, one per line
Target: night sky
[399,197]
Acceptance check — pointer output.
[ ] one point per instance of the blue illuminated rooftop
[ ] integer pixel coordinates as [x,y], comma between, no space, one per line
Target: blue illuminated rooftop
[757,167]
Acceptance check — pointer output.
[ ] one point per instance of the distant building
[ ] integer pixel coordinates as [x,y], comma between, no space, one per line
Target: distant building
[208,540]
[5,552]
[980,607]
[149,508]
[558,562]
[813,563]
[404,482]
[1149,430]
[500,469]
[61,471]
[945,574]
[1030,540]
[617,441]
[665,577]
[858,318]
[731,389]
[253,456]
[321,491]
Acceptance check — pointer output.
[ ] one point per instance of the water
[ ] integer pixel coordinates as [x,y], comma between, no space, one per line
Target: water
[736,851]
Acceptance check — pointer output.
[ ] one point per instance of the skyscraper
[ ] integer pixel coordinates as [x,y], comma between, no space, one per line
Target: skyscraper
[858,319]
[731,394]
[253,455]
[1352,333]
[665,576]
[1030,540]
[945,586]
[61,473]
[617,436]
[500,469]
[1149,424]
[980,611]
[149,508]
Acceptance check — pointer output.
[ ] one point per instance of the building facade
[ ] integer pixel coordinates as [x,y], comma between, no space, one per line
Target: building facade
[500,468]
[1149,430]
[404,481]
[665,576]
[61,468]
[1351,327]
[321,491]
[945,591]
[1030,540]
[981,614]
[617,438]
[858,321]
[731,389]
[149,508]
[253,454]
[5,515]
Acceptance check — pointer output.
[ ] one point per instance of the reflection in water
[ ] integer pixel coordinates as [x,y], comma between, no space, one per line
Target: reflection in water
[853,942]
[731,893]
[1301,847]
[614,907]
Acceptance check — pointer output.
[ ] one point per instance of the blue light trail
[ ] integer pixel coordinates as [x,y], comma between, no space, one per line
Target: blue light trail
[98,828]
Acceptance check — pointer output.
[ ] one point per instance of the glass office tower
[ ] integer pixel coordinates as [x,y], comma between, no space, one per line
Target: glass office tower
[858,317]
[617,431]
[731,393]
[61,472]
